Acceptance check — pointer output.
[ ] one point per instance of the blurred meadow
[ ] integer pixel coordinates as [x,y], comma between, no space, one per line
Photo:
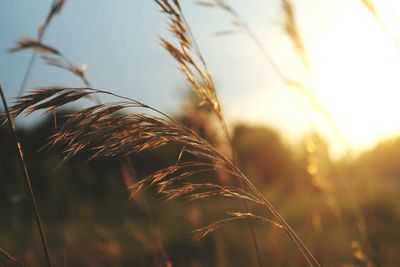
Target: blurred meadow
[200,133]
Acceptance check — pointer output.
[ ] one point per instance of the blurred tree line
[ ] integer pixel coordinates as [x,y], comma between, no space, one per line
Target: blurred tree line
[62,186]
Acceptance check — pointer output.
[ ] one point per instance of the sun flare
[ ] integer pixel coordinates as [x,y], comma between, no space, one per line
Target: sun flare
[356,76]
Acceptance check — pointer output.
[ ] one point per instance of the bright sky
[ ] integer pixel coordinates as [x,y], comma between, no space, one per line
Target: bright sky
[355,61]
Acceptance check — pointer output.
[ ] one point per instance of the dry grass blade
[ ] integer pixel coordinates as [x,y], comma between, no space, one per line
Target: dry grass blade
[227,32]
[177,21]
[11,258]
[185,54]
[203,86]
[191,192]
[60,61]
[293,32]
[172,174]
[35,45]
[370,6]
[102,131]
[52,57]
[205,4]
[242,215]
[55,9]
[63,63]
[235,216]
[137,131]
[240,23]
[27,178]
[105,134]
[55,97]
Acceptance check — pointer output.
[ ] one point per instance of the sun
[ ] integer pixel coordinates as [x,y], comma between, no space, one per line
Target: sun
[356,75]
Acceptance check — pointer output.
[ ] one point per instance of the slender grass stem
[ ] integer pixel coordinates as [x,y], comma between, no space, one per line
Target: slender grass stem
[32,60]
[227,136]
[11,258]
[150,215]
[27,179]
[312,261]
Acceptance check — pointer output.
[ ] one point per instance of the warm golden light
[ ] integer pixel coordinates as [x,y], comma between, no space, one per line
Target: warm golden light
[356,75]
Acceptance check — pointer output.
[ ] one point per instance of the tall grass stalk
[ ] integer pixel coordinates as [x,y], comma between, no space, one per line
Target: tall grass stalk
[291,29]
[55,8]
[102,132]
[11,258]
[54,57]
[27,179]
[153,223]
[184,34]
[296,39]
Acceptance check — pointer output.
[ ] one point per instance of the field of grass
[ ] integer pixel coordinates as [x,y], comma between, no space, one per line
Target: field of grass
[122,183]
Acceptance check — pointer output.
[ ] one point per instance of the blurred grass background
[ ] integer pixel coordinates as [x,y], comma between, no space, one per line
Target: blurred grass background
[347,211]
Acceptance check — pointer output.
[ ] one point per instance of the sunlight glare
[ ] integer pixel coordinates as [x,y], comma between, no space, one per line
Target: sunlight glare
[356,75]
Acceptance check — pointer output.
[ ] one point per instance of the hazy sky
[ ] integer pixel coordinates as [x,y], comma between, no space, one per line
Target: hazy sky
[120,44]
[119,41]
